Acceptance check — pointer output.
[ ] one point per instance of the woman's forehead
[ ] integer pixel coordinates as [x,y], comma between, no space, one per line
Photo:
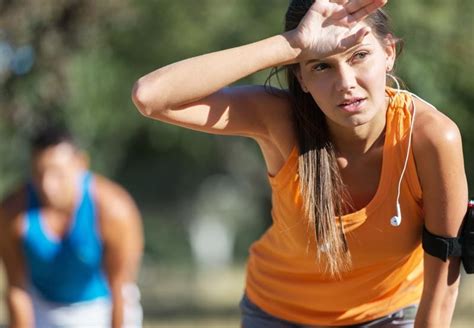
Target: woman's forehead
[369,41]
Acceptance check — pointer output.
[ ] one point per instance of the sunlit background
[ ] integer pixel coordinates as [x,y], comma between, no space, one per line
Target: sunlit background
[204,198]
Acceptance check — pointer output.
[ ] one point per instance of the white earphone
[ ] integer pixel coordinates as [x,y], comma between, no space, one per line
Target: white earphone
[396,220]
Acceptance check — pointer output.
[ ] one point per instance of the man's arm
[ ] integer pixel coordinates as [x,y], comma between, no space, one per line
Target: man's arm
[20,308]
[122,234]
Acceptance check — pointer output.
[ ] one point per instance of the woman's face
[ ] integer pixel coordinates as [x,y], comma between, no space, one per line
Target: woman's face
[349,87]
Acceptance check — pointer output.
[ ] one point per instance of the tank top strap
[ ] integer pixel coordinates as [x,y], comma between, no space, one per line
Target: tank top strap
[398,115]
[86,205]
[85,220]
[399,120]
[32,199]
[32,220]
[287,172]
[87,180]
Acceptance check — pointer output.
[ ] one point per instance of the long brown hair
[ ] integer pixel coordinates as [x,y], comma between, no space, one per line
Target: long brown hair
[325,198]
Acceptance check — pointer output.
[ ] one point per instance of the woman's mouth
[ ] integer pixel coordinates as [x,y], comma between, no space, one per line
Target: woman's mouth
[352,105]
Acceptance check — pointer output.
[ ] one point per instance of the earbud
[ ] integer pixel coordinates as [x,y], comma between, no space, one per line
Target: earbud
[397,219]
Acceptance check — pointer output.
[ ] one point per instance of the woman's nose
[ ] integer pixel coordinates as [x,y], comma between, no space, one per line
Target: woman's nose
[346,78]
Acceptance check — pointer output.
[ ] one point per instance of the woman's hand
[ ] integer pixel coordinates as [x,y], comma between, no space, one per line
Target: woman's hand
[331,26]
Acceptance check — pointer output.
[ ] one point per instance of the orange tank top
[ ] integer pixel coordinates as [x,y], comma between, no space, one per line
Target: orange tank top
[283,275]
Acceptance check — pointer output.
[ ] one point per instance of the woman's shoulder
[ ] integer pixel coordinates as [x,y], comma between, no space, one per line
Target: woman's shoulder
[273,107]
[437,141]
[432,128]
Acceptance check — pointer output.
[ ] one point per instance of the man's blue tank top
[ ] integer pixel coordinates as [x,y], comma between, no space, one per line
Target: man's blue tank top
[68,270]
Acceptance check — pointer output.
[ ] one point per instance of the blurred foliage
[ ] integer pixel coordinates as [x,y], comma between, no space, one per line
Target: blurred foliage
[437,63]
[75,61]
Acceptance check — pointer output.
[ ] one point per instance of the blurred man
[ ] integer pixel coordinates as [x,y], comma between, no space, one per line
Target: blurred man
[71,242]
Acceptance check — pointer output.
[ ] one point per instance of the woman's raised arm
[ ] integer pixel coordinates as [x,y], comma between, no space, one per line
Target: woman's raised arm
[186,93]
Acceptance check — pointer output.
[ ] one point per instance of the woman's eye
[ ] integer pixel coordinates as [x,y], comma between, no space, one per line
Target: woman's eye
[361,55]
[320,67]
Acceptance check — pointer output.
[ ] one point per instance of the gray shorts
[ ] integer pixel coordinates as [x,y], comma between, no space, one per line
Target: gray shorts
[255,317]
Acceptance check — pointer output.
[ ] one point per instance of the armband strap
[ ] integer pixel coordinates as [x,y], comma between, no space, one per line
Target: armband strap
[441,247]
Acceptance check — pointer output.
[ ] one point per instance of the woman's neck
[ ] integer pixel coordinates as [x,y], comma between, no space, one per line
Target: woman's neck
[360,139]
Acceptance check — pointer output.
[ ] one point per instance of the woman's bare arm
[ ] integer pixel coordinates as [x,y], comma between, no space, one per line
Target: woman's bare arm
[440,165]
[190,92]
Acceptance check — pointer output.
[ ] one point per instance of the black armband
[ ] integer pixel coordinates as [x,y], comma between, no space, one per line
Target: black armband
[441,247]
[463,246]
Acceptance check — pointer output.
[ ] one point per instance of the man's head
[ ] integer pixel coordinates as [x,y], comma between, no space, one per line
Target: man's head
[57,166]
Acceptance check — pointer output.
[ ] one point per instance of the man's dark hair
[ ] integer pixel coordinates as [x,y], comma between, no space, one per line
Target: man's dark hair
[51,135]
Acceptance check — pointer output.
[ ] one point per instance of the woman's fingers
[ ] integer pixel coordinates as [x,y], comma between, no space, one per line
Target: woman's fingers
[331,25]
[359,15]
[367,10]
[354,38]
[356,10]
[354,6]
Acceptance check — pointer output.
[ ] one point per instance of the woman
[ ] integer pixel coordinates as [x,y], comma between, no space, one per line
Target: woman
[346,159]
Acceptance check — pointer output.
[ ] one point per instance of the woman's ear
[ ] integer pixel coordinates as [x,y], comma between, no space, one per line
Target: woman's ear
[390,48]
[300,79]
